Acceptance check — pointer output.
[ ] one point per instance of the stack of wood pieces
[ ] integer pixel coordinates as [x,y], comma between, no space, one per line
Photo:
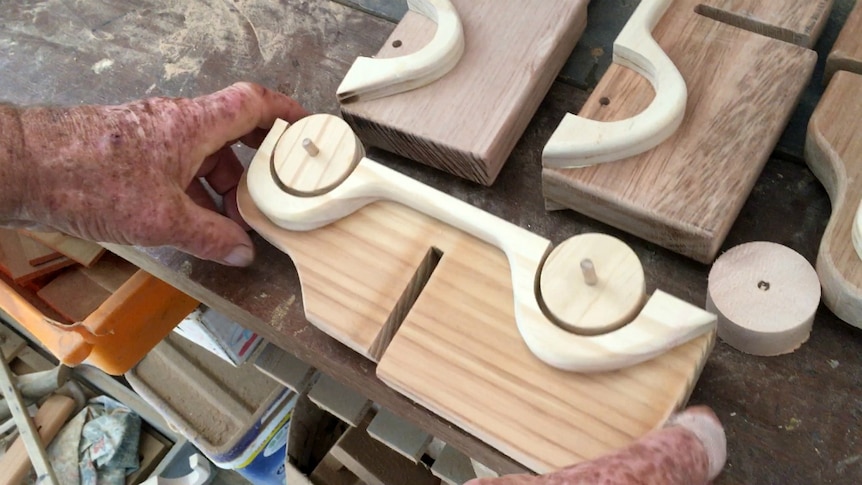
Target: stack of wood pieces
[69,275]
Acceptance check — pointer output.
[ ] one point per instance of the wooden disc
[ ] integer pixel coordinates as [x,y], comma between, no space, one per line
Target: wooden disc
[765,296]
[616,295]
[315,154]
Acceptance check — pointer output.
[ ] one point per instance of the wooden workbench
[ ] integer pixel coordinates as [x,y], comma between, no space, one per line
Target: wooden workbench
[790,419]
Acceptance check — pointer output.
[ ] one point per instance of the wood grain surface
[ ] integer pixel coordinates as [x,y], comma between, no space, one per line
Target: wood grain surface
[458,351]
[686,193]
[846,53]
[468,122]
[796,21]
[833,150]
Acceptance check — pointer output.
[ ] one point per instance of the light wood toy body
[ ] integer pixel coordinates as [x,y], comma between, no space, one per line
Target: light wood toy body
[833,151]
[468,121]
[685,192]
[441,307]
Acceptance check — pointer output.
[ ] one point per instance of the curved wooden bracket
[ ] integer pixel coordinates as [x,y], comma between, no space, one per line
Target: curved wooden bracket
[578,142]
[375,78]
[663,323]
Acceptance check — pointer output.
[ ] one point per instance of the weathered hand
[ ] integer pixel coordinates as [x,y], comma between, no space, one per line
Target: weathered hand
[130,174]
[690,450]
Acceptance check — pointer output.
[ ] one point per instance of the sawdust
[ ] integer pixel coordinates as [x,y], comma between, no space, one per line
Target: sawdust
[102,66]
[282,310]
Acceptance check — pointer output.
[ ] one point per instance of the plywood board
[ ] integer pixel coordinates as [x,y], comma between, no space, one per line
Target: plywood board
[833,150]
[846,52]
[13,261]
[468,122]
[685,193]
[797,21]
[458,352]
[73,295]
[81,251]
[36,252]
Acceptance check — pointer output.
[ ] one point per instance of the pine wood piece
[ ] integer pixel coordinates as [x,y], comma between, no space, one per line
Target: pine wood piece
[765,296]
[453,467]
[283,367]
[509,62]
[400,436]
[685,193]
[797,21]
[16,460]
[36,252]
[833,151]
[662,323]
[371,78]
[469,364]
[330,471]
[579,141]
[81,251]
[73,295]
[374,463]
[110,272]
[14,263]
[604,292]
[339,400]
[846,53]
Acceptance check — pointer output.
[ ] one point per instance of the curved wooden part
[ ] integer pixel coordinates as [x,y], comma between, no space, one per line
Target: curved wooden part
[66,344]
[833,151]
[663,323]
[578,142]
[375,78]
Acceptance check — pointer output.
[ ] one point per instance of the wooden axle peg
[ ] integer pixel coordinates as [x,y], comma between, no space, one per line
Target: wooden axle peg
[765,296]
[589,270]
[310,147]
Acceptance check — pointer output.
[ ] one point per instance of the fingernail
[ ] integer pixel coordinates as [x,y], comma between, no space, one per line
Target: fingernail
[240,256]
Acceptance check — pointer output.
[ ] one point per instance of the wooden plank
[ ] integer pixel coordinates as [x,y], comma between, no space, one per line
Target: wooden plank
[283,367]
[339,401]
[509,63]
[846,53]
[151,450]
[833,150]
[374,463]
[797,21]
[81,251]
[440,357]
[686,193]
[453,467]
[36,252]
[330,471]
[110,272]
[73,295]
[13,261]
[402,437]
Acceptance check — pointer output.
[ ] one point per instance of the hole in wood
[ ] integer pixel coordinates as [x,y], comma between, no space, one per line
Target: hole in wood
[763,286]
[604,101]
[396,43]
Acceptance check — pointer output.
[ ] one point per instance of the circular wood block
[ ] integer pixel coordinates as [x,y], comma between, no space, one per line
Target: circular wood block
[592,284]
[765,296]
[314,155]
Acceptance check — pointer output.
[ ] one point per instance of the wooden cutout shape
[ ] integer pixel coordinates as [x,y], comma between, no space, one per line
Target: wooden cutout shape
[375,78]
[846,53]
[579,141]
[663,323]
[833,151]
[685,193]
[796,21]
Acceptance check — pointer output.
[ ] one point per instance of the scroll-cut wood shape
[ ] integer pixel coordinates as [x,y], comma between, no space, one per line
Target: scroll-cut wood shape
[797,21]
[833,151]
[685,193]
[456,348]
[846,54]
[374,78]
[579,141]
[663,322]
[468,121]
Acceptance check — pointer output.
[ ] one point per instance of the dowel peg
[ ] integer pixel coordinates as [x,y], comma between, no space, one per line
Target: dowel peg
[310,147]
[589,270]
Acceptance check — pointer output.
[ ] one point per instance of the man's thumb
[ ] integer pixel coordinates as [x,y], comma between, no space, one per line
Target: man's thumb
[209,235]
